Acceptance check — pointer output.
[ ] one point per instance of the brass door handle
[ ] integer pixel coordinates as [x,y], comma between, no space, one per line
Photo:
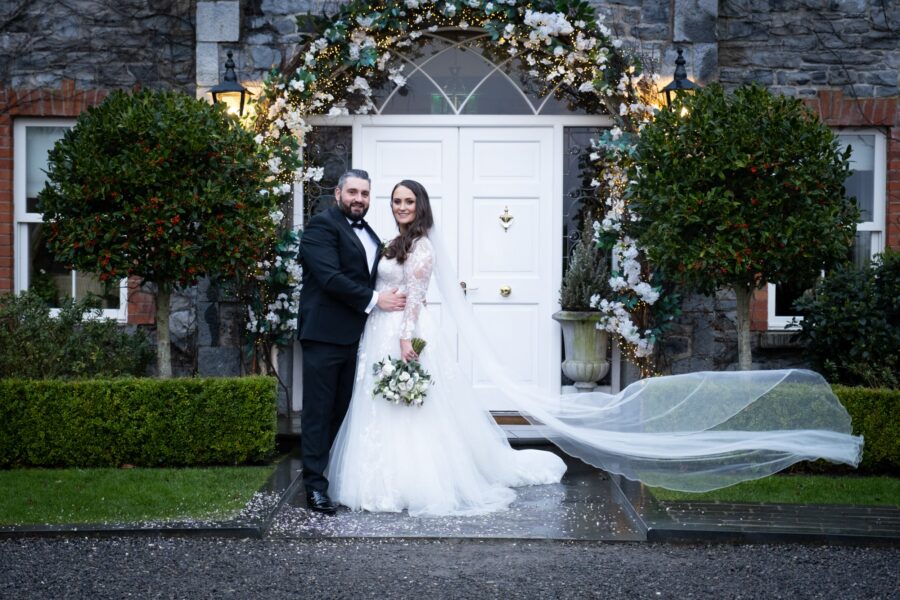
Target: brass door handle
[466,288]
[505,291]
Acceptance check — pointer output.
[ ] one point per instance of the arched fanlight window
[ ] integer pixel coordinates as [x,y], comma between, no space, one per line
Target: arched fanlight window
[463,72]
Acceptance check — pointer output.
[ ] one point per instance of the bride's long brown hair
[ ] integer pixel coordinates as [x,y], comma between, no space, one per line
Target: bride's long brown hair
[401,245]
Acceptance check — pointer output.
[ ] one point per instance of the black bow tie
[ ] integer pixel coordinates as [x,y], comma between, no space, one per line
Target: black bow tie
[358,224]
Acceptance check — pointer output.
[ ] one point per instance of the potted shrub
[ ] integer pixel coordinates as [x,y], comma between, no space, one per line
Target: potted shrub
[585,346]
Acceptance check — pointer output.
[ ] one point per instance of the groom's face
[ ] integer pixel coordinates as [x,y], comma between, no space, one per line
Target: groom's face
[353,198]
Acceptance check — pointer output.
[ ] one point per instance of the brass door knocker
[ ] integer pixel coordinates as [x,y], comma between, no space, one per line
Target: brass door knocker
[506,219]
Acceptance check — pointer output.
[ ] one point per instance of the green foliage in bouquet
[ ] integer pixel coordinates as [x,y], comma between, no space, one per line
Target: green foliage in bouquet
[402,382]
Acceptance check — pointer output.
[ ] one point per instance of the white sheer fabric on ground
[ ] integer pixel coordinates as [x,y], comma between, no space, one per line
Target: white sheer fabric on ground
[447,457]
[693,432]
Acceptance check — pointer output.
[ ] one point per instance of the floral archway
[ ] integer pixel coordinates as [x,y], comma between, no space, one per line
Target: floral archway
[564,44]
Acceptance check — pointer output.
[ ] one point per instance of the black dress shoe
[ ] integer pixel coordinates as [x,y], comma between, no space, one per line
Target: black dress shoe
[320,502]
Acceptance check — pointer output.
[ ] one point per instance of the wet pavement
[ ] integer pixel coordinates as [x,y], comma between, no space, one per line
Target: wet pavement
[586,505]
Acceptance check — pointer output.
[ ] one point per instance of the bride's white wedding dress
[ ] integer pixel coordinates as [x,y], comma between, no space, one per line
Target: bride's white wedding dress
[446,457]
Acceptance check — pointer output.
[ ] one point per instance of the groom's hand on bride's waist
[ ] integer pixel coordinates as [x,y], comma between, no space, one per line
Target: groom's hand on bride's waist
[391,300]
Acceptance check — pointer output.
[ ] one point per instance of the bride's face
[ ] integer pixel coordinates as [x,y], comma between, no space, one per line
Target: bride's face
[403,205]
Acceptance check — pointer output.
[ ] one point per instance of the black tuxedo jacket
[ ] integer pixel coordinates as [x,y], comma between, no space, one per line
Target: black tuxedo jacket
[337,283]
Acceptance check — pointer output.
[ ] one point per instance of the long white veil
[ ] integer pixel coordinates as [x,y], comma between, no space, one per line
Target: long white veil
[693,432]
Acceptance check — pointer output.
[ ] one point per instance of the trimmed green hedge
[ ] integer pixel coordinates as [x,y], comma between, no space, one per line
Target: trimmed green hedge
[876,416]
[142,422]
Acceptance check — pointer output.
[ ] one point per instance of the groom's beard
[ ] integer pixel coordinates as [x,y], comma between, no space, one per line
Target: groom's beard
[355,211]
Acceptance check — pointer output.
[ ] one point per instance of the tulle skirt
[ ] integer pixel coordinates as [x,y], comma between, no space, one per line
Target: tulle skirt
[446,457]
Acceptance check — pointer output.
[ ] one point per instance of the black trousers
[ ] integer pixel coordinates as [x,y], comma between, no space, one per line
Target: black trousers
[328,373]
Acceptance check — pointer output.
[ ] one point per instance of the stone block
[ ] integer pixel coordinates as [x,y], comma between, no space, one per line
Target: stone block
[706,63]
[744,30]
[761,77]
[655,11]
[650,32]
[232,317]
[695,21]
[265,57]
[860,90]
[218,362]
[207,63]
[792,78]
[886,78]
[219,21]
[676,347]
[849,7]
[207,324]
[285,27]
[293,7]
[884,91]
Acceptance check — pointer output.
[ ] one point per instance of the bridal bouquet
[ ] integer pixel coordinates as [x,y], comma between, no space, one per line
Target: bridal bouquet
[402,382]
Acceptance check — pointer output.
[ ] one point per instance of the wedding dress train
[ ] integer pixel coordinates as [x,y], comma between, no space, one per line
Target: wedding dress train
[692,432]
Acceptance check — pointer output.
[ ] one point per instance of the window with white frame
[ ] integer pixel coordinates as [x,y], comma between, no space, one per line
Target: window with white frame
[35,268]
[867,183]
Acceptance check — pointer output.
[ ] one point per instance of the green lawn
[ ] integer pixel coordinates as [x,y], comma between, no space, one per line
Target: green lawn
[58,496]
[800,489]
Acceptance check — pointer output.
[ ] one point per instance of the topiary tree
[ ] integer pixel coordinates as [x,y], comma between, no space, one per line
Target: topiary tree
[161,186]
[739,190]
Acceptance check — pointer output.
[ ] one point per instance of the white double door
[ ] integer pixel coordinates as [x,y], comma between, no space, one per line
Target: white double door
[480,179]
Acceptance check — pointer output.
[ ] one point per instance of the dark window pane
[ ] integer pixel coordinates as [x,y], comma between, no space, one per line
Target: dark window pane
[861,252]
[577,176]
[46,277]
[861,185]
[785,296]
[39,140]
[332,149]
[418,97]
[497,96]
[53,282]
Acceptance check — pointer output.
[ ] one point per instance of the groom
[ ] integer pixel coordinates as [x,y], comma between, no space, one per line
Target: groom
[339,253]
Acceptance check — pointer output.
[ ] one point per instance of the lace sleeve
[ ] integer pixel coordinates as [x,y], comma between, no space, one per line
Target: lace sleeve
[417,274]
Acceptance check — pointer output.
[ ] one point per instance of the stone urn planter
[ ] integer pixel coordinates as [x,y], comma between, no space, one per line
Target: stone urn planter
[585,347]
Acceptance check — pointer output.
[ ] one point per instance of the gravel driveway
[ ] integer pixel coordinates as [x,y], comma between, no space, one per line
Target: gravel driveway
[141,567]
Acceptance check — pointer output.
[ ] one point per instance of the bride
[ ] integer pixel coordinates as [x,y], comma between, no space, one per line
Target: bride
[447,456]
[692,432]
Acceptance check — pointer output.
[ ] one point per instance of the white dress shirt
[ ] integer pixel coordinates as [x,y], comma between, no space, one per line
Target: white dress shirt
[371,249]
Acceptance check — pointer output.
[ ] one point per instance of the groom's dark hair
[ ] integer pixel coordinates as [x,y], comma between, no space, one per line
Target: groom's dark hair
[358,173]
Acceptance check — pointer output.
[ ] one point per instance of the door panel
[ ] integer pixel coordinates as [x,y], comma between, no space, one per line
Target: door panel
[474,175]
[509,171]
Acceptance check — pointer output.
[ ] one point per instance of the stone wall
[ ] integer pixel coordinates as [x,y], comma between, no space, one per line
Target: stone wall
[796,47]
[704,338]
[655,28]
[98,44]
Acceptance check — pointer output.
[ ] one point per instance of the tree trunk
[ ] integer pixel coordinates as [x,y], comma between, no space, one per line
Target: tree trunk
[163,347]
[745,356]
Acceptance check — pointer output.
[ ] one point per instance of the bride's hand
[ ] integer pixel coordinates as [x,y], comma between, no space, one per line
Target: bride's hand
[406,351]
